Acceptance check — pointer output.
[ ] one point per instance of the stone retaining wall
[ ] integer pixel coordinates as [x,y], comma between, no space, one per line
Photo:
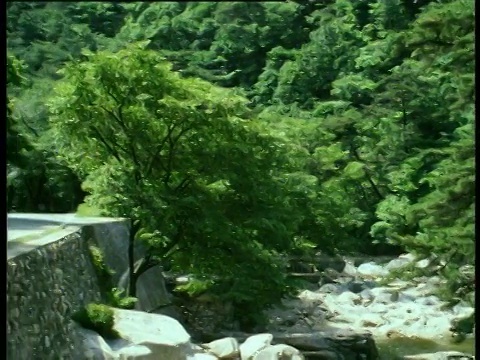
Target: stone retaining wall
[44,287]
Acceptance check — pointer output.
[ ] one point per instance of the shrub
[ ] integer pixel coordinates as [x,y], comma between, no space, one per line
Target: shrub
[99,318]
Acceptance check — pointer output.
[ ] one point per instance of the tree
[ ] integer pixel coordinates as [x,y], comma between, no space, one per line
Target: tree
[206,187]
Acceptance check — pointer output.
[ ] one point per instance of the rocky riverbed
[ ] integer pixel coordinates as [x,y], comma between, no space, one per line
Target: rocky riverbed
[342,314]
[401,314]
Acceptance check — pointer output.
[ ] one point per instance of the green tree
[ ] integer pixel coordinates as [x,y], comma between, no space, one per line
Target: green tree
[206,187]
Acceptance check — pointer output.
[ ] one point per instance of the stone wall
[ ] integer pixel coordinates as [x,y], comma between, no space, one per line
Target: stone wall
[44,287]
[51,275]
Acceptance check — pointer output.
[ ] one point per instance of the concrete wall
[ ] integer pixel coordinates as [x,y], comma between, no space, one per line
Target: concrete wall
[46,282]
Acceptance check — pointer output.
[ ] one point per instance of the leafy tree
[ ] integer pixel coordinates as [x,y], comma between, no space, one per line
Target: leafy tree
[206,187]
[372,102]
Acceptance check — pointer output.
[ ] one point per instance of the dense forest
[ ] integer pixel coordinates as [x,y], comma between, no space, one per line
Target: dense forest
[233,133]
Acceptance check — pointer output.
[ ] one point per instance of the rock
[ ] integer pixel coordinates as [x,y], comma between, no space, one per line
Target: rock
[279,352]
[350,269]
[383,295]
[359,286]
[349,298]
[165,337]
[397,263]
[312,277]
[324,262]
[428,301]
[366,294]
[328,276]
[112,239]
[297,266]
[409,256]
[202,356]
[371,320]
[371,270]
[346,344]
[441,355]
[225,348]
[94,346]
[328,288]
[134,352]
[254,344]
[422,264]
[463,325]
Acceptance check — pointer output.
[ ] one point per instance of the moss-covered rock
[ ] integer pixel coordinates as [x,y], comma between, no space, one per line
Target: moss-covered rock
[99,318]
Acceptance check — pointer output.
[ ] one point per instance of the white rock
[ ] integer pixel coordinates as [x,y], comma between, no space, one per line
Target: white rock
[422,264]
[202,356]
[224,348]
[135,352]
[164,336]
[371,320]
[349,298]
[397,263]
[94,346]
[253,344]
[428,301]
[371,270]
[310,296]
[350,269]
[408,256]
[279,352]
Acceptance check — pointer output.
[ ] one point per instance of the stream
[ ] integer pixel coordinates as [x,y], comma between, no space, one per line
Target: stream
[404,317]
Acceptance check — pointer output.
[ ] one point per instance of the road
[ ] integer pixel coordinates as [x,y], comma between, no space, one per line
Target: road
[28,231]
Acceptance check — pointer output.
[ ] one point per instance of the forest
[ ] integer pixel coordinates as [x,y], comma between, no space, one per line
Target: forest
[235,133]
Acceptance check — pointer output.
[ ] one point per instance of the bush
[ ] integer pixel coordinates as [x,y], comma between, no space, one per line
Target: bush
[99,318]
[116,298]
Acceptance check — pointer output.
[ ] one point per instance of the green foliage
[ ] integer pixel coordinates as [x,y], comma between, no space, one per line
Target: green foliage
[346,124]
[99,318]
[115,297]
[198,176]
[104,273]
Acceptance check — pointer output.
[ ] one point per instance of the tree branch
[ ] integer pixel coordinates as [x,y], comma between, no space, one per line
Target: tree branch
[369,178]
[104,142]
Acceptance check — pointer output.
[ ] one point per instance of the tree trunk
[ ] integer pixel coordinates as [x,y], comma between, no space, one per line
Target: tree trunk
[132,286]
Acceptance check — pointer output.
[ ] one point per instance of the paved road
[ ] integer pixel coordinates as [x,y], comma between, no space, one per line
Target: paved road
[20,228]
[28,231]
[20,225]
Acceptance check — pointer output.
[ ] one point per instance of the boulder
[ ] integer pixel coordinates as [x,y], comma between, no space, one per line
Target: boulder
[441,355]
[163,336]
[94,346]
[359,286]
[345,343]
[327,262]
[422,264]
[350,269]
[397,263]
[328,289]
[279,352]
[371,270]
[113,241]
[328,276]
[348,298]
[254,344]
[128,351]
[225,348]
